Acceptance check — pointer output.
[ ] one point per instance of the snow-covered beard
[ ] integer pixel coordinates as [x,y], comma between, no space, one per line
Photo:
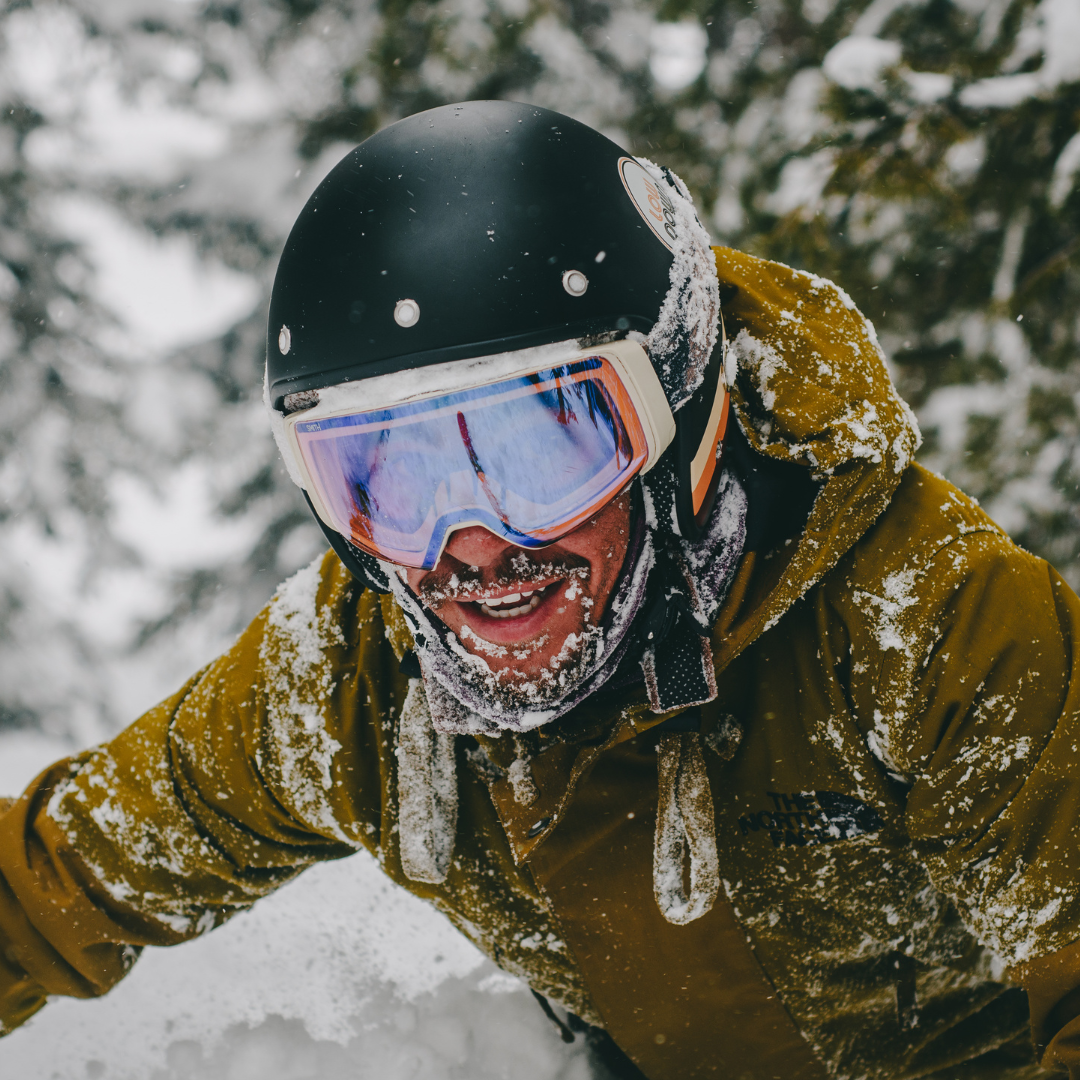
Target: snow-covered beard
[466,697]
[511,693]
[514,695]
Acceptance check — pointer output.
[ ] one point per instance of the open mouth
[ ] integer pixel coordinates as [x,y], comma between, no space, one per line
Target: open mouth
[515,604]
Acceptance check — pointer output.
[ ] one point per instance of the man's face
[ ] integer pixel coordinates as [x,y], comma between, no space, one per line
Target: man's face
[526,611]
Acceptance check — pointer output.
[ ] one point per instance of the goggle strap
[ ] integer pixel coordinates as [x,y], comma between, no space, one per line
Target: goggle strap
[364,567]
[701,425]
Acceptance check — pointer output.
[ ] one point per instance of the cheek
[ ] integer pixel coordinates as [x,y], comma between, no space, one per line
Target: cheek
[603,542]
[611,564]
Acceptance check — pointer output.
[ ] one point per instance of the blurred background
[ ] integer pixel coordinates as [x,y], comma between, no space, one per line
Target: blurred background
[925,154]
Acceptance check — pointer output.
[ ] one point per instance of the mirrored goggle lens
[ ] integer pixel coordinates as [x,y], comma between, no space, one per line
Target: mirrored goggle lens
[529,458]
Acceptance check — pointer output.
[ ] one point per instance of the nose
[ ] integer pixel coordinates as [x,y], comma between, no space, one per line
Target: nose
[476,546]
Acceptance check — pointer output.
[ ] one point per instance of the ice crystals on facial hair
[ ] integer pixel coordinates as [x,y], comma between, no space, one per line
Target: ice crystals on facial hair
[465,695]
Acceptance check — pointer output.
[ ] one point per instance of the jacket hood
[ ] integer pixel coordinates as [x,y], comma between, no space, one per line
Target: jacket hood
[811,387]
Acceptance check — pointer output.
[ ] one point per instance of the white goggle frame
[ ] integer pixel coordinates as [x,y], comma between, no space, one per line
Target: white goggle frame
[628,358]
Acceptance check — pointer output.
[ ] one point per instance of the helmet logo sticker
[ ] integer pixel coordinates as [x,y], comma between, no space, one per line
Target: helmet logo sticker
[575,282]
[406,313]
[284,341]
[652,201]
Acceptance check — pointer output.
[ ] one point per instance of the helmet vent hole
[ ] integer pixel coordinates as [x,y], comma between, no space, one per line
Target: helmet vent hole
[575,282]
[302,399]
[284,341]
[406,313]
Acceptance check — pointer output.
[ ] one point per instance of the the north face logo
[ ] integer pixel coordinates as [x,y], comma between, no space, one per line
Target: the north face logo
[811,817]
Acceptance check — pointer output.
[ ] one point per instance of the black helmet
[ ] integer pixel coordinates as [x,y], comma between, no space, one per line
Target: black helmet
[486,227]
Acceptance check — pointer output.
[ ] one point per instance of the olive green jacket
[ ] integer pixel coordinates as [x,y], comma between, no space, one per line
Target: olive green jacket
[892,759]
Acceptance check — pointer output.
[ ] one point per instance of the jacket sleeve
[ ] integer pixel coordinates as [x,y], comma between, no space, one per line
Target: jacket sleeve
[1053,986]
[977,707]
[270,759]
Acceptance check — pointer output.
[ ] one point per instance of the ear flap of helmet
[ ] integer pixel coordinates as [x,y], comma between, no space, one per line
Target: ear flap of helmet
[700,426]
[364,567]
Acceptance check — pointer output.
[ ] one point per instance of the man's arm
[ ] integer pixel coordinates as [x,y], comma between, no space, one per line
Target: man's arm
[1053,987]
[976,703]
[266,761]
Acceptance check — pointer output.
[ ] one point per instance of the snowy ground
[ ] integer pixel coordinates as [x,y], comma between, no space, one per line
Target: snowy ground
[341,974]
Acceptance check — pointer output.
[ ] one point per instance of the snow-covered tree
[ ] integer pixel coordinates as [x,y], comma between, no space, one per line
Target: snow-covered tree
[153,154]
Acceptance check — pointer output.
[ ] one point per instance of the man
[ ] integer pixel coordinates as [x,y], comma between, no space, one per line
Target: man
[660,668]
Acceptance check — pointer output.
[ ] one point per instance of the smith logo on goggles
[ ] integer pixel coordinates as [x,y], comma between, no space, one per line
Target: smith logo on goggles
[529,453]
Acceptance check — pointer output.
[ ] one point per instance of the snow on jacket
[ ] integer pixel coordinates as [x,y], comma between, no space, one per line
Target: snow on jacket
[891,765]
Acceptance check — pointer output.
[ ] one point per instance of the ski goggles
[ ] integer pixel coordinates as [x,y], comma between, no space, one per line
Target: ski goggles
[529,445]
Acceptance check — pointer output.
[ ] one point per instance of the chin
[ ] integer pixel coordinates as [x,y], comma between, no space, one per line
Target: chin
[520,651]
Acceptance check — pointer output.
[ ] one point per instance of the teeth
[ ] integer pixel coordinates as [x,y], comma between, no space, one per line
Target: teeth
[508,607]
[510,598]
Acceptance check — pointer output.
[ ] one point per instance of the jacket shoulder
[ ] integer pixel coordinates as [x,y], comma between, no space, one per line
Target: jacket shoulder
[925,515]
[933,579]
[944,618]
[931,548]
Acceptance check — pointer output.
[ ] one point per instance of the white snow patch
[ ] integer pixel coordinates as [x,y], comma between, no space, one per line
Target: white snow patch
[339,973]
[678,55]
[928,86]
[887,610]
[688,325]
[427,790]
[297,687]
[176,526]
[1052,28]
[1001,91]
[93,123]
[802,181]
[858,62]
[1065,170]
[763,360]
[964,159]
[162,294]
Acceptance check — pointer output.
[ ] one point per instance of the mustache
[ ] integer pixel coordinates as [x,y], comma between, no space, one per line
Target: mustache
[510,570]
